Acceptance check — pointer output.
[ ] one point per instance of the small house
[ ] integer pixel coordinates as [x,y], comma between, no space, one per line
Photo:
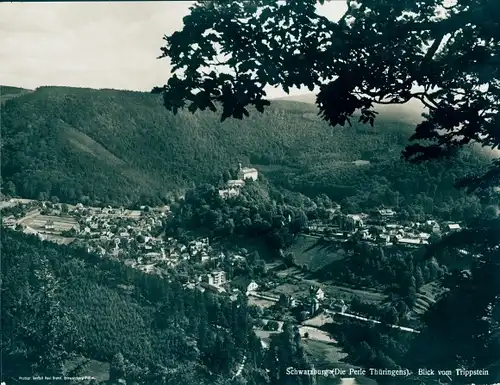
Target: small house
[229,193]
[339,306]
[424,236]
[356,220]
[311,306]
[317,293]
[204,258]
[246,285]
[433,225]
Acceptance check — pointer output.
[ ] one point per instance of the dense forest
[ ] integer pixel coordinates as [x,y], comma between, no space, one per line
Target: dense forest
[58,302]
[122,147]
[261,214]
[394,270]
[416,190]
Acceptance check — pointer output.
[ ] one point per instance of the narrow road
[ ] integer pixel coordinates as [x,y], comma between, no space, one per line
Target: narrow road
[402,328]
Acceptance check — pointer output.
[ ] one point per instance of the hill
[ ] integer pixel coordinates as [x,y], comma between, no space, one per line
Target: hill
[121,147]
[409,113]
[116,145]
[7,92]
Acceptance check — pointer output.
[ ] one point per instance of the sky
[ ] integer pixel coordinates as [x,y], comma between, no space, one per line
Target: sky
[95,45]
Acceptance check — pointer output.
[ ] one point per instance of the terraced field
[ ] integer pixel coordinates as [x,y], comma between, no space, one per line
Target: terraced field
[60,223]
[426,296]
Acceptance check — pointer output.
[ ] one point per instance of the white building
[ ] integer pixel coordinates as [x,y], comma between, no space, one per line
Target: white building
[387,212]
[217,278]
[229,193]
[204,257]
[247,173]
[424,236]
[252,286]
[412,241]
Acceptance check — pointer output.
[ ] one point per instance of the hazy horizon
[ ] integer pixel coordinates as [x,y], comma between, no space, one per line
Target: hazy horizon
[101,45]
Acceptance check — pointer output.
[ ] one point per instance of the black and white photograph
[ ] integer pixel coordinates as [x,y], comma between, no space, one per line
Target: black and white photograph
[250,192]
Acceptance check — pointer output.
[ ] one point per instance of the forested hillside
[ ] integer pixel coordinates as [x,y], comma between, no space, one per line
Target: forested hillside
[121,147]
[58,302]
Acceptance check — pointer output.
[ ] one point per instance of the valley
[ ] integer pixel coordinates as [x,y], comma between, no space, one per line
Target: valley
[327,239]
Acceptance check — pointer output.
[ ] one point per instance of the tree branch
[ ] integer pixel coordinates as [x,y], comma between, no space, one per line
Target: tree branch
[432,49]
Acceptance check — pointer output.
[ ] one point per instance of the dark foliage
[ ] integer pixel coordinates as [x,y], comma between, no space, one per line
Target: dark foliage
[373,54]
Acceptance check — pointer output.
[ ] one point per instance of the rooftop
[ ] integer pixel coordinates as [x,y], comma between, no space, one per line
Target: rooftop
[248,169]
[412,241]
[235,182]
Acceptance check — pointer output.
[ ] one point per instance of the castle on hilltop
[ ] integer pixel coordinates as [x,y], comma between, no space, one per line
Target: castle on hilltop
[233,186]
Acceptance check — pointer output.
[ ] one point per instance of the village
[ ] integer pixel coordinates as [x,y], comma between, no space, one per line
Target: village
[381,226]
[278,292]
[136,238]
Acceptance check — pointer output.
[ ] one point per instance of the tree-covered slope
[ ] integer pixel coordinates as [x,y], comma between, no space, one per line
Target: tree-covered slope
[59,302]
[114,146]
[109,146]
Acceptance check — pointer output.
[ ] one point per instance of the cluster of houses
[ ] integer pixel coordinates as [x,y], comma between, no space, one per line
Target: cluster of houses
[305,307]
[163,254]
[116,234]
[233,187]
[170,252]
[414,235]
[382,227]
